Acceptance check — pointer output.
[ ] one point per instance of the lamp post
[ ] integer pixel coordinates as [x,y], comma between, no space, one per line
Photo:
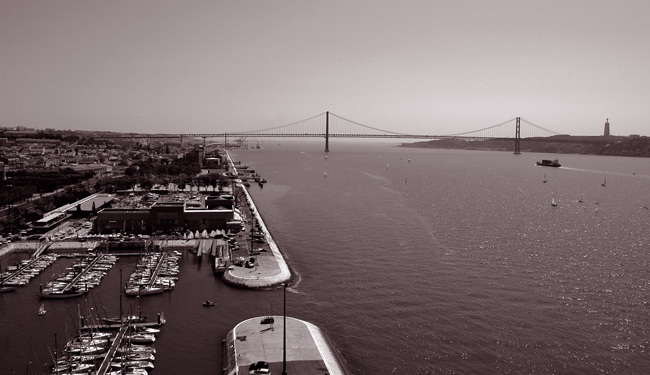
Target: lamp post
[284,330]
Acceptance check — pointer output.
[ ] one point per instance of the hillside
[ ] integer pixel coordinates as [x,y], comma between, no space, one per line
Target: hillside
[562,144]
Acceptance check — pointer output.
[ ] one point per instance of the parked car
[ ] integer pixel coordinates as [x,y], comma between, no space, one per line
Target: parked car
[260,367]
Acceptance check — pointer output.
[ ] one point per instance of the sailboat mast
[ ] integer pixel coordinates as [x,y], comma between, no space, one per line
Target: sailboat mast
[120,296]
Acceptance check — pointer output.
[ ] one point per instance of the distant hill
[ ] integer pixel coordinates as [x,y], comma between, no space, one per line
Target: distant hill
[561,144]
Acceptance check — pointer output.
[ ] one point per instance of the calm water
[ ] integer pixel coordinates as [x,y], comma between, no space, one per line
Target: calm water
[453,263]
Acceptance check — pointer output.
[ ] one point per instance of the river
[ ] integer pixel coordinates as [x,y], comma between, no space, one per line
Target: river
[415,261]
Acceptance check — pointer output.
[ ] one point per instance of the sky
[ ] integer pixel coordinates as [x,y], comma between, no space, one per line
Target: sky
[420,67]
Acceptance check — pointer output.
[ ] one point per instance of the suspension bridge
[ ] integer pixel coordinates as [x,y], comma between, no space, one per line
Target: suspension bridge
[329,125]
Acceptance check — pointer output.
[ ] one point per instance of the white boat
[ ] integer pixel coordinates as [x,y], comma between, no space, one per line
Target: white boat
[41,310]
[133,364]
[144,338]
[553,202]
[135,371]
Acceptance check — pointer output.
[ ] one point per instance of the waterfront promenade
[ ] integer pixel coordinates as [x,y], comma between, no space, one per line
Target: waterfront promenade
[270,267]
[308,349]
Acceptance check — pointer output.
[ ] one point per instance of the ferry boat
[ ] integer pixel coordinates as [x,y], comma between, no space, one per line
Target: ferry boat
[549,163]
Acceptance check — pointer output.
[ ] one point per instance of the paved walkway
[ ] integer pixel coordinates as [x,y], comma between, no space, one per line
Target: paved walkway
[270,267]
[308,351]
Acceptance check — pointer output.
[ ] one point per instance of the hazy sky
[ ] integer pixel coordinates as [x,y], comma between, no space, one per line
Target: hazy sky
[429,67]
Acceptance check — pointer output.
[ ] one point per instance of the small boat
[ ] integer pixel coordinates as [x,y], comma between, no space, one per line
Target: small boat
[220,265]
[604,182]
[325,174]
[133,364]
[142,338]
[545,180]
[41,310]
[208,303]
[553,202]
[581,200]
[549,163]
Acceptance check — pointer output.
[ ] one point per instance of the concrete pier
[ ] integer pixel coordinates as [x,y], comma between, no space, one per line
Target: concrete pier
[270,267]
[308,349]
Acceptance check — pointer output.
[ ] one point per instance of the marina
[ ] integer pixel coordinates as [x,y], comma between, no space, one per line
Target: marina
[20,274]
[78,279]
[155,273]
[124,351]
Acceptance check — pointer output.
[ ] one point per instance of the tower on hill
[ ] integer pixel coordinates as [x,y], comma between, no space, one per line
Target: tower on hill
[606,128]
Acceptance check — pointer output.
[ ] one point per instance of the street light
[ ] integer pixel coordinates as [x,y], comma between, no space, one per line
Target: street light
[284,330]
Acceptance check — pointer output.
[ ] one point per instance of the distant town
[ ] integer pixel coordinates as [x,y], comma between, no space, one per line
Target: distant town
[46,169]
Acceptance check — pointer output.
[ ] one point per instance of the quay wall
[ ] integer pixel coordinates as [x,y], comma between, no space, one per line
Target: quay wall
[268,280]
[18,247]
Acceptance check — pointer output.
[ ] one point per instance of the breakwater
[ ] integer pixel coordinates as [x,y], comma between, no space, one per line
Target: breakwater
[270,269]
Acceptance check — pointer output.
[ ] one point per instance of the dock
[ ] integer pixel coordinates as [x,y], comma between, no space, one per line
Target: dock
[154,274]
[41,249]
[308,349]
[74,281]
[105,366]
[28,267]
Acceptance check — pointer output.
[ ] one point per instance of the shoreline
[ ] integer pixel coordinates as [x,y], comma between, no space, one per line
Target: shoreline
[273,269]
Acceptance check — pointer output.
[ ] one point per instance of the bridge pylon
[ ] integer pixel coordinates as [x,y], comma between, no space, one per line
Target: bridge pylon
[327,131]
[518,136]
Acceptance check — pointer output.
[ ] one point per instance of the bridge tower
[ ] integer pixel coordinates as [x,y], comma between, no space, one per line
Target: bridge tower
[518,136]
[327,131]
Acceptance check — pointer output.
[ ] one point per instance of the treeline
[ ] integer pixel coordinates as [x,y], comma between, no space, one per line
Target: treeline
[174,168]
[22,185]
[69,137]
[147,173]
[18,218]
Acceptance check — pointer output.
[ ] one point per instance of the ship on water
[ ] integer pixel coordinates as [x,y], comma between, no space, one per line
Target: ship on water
[549,163]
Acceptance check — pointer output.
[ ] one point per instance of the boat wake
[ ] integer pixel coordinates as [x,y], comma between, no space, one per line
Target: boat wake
[293,287]
[610,173]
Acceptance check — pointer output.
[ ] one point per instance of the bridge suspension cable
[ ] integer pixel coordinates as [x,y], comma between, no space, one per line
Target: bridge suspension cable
[540,128]
[308,121]
[366,126]
[483,129]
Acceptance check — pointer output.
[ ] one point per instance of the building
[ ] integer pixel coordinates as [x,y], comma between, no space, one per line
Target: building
[166,216]
[196,155]
[49,222]
[606,128]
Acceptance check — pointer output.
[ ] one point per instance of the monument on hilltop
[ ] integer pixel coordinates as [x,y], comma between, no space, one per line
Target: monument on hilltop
[606,128]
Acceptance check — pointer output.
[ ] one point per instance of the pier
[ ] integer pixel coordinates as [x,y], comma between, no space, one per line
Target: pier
[41,249]
[156,270]
[105,367]
[270,267]
[10,280]
[74,281]
[305,346]
[113,326]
